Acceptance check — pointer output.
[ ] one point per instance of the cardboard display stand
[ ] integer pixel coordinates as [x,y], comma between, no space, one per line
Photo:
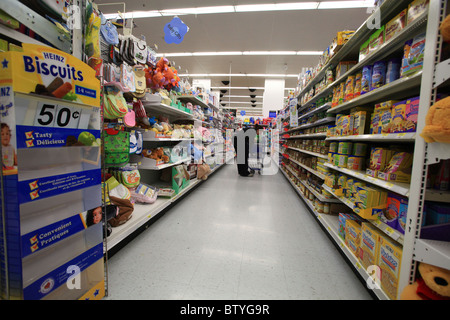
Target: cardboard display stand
[51,235]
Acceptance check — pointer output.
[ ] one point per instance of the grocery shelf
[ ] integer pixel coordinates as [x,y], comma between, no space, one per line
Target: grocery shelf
[318,123]
[437,195]
[351,47]
[394,234]
[194,100]
[315,154]
[322,108]
[144,163]
[142,213]
[433,252]
[388,137]
[400,188]
[331,225]
[35,22]
[308,136]
[402,86]
[162,108]
[317,194]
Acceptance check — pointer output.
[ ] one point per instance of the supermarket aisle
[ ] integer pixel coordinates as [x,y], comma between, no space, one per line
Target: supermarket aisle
[234,238]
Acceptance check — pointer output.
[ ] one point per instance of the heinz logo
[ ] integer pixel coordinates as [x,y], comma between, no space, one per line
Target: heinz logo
[62,70]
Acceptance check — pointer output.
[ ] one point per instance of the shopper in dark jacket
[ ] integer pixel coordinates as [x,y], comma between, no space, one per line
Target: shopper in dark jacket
[243,141]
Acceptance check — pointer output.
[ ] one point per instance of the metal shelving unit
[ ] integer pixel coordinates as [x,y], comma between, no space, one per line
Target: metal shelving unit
[424,84]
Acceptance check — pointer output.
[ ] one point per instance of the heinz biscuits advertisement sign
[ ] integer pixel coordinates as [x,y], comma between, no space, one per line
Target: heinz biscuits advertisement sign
[49,72]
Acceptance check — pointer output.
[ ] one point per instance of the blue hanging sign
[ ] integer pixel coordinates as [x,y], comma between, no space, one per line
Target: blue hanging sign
[175,31]
[242,112]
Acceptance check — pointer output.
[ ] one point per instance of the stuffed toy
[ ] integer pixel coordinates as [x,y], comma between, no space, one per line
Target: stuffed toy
[445,29]
[437,122]
[433,284]
[156,154]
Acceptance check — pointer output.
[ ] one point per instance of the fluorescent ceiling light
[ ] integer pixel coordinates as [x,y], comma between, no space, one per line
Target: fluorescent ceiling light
[223,53]
[272,53]
[245,8]
[199,10]
[256,97]
[238,102]
[277,7]
[345,4]
[240,53]
[262,75]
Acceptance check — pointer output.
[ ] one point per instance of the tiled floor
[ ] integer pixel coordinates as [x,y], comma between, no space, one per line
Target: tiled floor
[234,238]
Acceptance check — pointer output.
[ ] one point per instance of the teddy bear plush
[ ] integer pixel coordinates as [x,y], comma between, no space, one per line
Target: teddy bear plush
[445,28]
[437,122]
[433,284]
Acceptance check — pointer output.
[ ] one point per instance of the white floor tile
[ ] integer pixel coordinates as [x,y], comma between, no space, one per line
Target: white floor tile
[234,238]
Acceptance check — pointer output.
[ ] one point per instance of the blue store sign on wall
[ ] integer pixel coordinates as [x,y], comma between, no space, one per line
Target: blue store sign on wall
[175,31]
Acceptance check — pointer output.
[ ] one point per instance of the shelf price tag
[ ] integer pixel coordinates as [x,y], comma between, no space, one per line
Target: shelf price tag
[53,115]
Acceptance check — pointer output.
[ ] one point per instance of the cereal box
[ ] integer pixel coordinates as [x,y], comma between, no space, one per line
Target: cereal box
[411,113]
[343,217]
[389,261]
[396,25]
[398,116]
[353,235]
[368,253]
[377,39]
[359,122]
[416,8]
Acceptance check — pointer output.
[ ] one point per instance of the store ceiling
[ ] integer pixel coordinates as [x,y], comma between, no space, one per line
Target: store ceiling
[299,30]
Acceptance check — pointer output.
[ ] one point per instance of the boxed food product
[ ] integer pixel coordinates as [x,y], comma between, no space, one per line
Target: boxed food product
[413,56]
[367,197]
[343,217]
[375,123]
[378,75]
[364,50]
[343,36]
[377,39]
[359,149]
[391,214]
[353,235]
[342,162]
[343,67]
[398,168]
[349,88]
[398,116]
[357,88]
[366,79]
[385,120]
[345,148]
[411,114]
[396,25]
[368,253]
[416,8]
[389,261]
[360,121]
[379,157]
[356,163]
[393,70]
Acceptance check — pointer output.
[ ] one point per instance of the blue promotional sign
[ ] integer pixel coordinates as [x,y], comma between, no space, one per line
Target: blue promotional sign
[242,112]
[35,189]
[53,280]
[51,234]
[175,31]
[44,137]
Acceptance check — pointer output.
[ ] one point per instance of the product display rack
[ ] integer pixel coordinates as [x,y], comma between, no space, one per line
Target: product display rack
[420,84]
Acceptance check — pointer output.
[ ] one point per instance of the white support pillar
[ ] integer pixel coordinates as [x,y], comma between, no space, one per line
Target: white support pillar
[273,95]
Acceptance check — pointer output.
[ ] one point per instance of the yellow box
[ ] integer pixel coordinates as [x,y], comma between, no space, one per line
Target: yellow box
[370,243]
[389,261]
[353,235]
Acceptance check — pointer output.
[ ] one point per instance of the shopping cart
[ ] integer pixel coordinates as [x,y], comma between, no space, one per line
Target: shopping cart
[256,155]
